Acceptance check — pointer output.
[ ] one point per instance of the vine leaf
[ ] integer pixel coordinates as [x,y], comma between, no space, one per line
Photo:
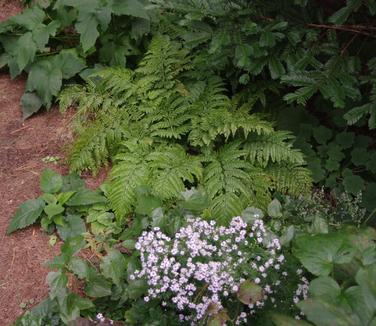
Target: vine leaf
[129,7]
[87,27]
[26,214]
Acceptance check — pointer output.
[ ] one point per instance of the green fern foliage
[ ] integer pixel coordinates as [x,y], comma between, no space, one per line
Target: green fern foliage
[163,129]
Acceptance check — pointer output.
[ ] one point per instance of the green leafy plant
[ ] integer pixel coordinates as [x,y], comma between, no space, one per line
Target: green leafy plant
[166,131]
[62,204]
[56,40]
[344,290]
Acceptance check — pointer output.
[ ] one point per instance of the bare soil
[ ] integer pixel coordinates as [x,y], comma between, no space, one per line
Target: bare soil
[23,145]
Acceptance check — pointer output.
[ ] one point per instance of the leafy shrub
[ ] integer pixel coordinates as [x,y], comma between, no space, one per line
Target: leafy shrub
[56,40]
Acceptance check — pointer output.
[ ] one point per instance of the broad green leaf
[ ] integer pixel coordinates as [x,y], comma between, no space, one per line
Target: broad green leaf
[129,7]
[57,281]
[137,288]
[72,182]
[42,33]
[276,68]
[325,287]
[322,134]
[369,197]
[323,313]
[51,181]
[87,27]
[73,226]
[29,18]
[97,286]
[63,197]
[113,266]
[353,184]
[321,252]
[30,103]
[358,302]
[281,320]
[366,278]
[243,55]
[49,198]
[69,63]
[345,139]
[53,209]
[287,235]
[45,79]
[85,197]
[250,214]
[26,214]
[194,201]
[249,292]
[79,267]
[70,307]
[360,156]
[275,209]
[26,49]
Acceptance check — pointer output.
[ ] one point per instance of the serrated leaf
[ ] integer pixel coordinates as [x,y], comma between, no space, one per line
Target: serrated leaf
[322,134]
[276,68]
[53,209]
[29,18]
[97,286]
[360,156]
[85,197]
[57,281]
[42,32]
[73,226]
[26,49]
[345,139]
[51,181]
[69,63]
[113,266]
[87,27]
[26,214]
[72,182]
[45,79]
[79,267]
[353,184]
[30,103]
[129,7]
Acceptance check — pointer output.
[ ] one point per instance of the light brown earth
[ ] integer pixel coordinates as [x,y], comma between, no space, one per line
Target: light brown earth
[23,145]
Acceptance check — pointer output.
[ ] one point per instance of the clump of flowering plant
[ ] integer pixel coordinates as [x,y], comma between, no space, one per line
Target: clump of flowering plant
[205,266]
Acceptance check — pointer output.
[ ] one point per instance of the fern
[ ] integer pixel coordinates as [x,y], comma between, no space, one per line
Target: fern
[164,169]
[275,147]
[139,117]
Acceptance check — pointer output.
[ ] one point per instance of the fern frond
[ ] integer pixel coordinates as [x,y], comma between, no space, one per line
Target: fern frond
[171,166]
[292,179]
[95,146]
[223,122]
[275,147]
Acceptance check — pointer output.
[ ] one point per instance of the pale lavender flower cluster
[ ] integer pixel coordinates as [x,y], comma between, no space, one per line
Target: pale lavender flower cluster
[205,263]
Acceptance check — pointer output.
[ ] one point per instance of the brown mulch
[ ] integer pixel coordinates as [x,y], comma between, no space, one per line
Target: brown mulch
[23,145]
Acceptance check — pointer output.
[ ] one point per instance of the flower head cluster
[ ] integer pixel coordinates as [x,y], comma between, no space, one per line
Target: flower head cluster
[204,263]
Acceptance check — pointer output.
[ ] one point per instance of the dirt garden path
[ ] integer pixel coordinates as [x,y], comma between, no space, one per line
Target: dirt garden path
[23,145]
